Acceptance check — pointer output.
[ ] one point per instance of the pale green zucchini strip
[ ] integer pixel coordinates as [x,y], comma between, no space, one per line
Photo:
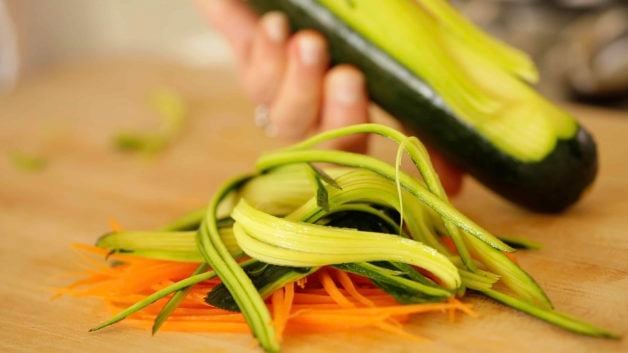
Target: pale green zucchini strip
[553,317]
[412,185]
[245,294]
[279,191]
[170,246]
[508,58]
[185,283]
[364,208]
[512,275]
[520,243]
[392,277]
[419,156]
[174,302]
[479,280]
[363,186]
[282,242]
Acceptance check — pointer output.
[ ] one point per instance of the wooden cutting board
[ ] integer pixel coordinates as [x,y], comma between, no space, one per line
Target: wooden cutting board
[69,115]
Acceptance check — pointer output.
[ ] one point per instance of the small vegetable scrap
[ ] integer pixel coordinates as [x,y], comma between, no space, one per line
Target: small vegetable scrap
[172,110]
[314,241]
[28,162]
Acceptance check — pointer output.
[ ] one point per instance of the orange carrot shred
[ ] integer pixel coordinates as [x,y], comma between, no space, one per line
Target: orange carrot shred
[348,285]
[451,313]
[282,301]
[288,299]
[465,308]
[332,300]
[330,287]
[279,320]
[398,330]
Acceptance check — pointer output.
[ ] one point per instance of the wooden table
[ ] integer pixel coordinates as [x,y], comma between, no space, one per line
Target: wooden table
[69,116]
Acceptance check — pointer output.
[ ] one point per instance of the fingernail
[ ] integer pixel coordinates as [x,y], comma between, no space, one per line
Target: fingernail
[262,116]
[310,50]
[346,87]
[275,26]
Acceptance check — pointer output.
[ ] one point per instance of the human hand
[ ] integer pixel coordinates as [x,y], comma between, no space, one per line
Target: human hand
[289,76]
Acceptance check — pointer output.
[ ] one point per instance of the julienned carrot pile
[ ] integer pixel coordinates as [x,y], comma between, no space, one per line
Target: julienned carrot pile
[315,240]
[329,301]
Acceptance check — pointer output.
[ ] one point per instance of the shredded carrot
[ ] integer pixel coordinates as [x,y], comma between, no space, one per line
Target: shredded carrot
[399,331]
[451,313]
[282,300]
[348,285]
[316,322]
[465,308]
[391,325]
[279,318]
[328,301]
[288,298]
[332,290]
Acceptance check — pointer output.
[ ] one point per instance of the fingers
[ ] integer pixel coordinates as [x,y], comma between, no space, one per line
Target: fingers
[296,108]
[345,103]
[289,75]
[268,58]
[234,20]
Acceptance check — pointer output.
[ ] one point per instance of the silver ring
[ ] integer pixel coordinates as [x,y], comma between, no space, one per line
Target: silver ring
[261,118]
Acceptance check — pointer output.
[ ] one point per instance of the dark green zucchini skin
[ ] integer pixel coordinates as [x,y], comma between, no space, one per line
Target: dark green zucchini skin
[549,185]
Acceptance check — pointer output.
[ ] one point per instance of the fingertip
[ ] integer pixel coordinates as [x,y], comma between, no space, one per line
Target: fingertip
[344,85]
[275,26]
[297,105]
[345,103]
[311,49]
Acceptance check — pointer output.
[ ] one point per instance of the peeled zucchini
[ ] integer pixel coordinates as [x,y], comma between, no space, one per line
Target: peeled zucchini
[459,90]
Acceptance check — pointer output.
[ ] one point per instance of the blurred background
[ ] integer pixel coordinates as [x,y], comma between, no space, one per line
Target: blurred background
[581,46]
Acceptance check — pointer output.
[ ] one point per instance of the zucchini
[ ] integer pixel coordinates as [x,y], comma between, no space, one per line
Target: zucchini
[494,126]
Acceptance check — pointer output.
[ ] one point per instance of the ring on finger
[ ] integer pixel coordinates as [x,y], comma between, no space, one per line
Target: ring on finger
[262,120]
[262,116]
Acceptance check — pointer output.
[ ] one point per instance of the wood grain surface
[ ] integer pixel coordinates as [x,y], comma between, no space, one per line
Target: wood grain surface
[69,115]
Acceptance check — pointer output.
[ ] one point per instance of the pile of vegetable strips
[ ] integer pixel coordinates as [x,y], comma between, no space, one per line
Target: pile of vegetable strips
[315,240]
